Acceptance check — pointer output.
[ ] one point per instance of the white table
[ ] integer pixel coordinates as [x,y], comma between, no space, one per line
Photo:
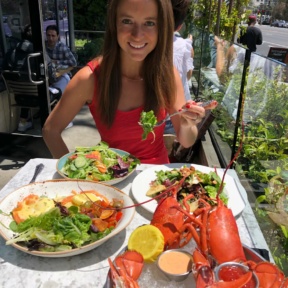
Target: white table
[18,269]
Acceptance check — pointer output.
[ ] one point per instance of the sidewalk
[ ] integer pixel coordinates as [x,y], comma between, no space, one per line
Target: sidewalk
[82,133]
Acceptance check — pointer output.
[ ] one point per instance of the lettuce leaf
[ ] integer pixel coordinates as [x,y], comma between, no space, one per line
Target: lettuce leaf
[53,229]
[148,121]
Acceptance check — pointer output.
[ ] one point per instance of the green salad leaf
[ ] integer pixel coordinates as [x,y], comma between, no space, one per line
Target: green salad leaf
[148,121]
[52,231]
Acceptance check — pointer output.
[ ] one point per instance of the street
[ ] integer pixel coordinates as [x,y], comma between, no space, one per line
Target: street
[272,37]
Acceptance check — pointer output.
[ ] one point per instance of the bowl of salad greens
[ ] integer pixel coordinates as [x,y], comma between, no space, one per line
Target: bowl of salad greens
[58,218]
[98,163]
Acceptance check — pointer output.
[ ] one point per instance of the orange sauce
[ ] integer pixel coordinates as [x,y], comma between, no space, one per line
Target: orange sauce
[175,262]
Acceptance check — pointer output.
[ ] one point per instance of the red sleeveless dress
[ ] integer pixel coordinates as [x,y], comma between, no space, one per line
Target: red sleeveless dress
[126,133]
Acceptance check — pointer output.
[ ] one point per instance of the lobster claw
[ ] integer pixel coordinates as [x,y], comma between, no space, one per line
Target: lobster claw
[132,262]
[127,269]
[269,275]
[201,270]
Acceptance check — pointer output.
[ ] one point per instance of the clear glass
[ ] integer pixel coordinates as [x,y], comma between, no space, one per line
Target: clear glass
[253,115]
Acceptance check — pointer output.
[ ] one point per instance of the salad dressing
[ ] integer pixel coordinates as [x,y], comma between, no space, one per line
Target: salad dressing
[175,262]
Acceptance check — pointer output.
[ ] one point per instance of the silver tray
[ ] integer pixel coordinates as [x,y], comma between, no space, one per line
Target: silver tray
[249,253]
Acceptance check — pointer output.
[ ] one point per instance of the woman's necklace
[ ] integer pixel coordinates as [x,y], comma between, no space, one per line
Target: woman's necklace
[132,79]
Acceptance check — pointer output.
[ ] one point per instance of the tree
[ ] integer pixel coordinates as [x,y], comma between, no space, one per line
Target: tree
[89,14]
[279,10]
[218,17]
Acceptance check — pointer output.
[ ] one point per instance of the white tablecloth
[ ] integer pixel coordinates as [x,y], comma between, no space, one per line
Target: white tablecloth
[18,269]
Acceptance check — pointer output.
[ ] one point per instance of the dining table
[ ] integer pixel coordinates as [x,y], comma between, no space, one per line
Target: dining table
[20,269]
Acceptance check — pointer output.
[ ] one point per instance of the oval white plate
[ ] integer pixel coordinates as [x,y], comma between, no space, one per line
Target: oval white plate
[58,188]
[61,162]
[141,185]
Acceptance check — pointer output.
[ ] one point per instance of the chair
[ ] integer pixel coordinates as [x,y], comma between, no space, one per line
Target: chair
[23,93]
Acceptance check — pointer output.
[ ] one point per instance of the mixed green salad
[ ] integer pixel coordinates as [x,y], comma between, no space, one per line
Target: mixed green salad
[63,228]
[202,185]
[51,232]
[98,163]
[148,121]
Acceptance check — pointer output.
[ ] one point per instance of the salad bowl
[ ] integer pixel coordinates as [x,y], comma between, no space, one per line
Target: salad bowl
[64,167]
[62,188]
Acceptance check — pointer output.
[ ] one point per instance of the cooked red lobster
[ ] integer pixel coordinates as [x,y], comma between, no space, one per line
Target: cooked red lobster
[218,241]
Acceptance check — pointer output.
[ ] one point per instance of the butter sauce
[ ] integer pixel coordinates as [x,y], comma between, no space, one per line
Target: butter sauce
[175,262]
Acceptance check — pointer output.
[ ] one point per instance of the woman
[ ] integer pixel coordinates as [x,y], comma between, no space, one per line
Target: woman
[134,74]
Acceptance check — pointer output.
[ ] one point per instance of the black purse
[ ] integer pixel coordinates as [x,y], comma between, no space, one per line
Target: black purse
[179,154]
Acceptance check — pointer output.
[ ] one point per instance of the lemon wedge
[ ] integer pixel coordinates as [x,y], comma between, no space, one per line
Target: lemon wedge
[147,240]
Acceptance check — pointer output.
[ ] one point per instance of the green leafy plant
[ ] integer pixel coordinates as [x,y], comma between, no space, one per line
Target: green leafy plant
[89,50]
[222,22]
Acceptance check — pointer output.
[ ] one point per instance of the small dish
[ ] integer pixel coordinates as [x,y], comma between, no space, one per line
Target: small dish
[237,268]
[176,264]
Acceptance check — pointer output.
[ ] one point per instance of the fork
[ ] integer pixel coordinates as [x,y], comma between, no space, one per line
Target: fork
[159,123]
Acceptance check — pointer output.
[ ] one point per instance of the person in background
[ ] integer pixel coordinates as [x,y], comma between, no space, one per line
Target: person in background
[134,74]
[16,60]
[182,48]
[62,60]
[252,36]
[183,52]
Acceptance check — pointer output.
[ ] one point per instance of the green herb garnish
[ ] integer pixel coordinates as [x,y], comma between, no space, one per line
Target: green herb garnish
[148,121]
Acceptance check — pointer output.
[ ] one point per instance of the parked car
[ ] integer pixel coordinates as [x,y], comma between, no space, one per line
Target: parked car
[278,23]
[286,25]
[265,22]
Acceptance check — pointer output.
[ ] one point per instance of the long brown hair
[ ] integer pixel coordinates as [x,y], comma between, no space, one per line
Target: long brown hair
[158,72]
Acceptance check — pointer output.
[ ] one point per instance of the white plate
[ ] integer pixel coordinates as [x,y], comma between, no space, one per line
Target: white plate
[61,162]
[55,188]
[141,185]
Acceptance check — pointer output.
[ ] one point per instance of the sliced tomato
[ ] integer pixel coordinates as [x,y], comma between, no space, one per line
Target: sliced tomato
[94,155]
[119,215]
[112,224]
[72,157]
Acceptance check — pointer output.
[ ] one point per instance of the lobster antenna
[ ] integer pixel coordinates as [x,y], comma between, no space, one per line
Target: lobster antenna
[237,152]
[179,184]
